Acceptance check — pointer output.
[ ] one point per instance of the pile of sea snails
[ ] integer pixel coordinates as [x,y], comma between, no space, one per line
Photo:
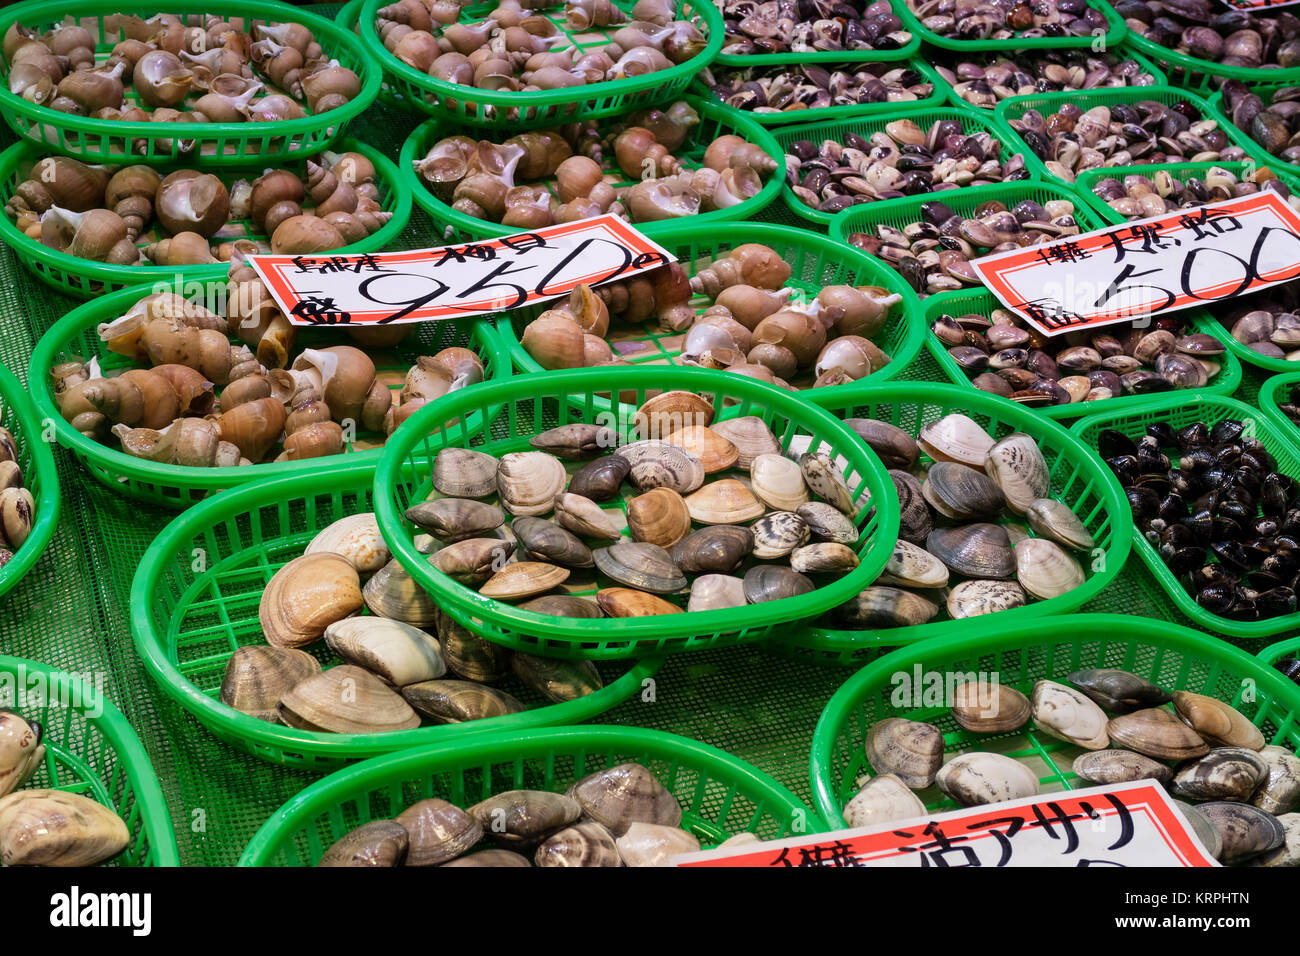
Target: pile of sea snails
[1073,139]
[903,159]
[1009,19]
[178,70]
[197,399]
[707,514]
[1290,405]
[1135,196]
[1119,729]
[135,215]
[1275,127]
[934,252]
[396,668]
[811,26]
[813,86]
[48,827]
[965,542]
[1215,508]
[17,505]
[750,323]
[1008,358]
[543,177]
[1207,31]
[620,816]
[986,84]
[1266,322]
[518,48]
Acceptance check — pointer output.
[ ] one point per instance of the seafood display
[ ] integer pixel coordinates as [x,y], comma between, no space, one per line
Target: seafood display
[17,504]
[811,26]
[785,91]
[1198,28]
[986,83]
[1135,196]
[1265,322]
[1009,20]
[1273,125]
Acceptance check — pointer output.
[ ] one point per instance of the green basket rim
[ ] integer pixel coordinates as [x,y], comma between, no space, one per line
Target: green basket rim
[974,120]
[85,317]
[840,641]
[1216,100]
[568,637]
[1271,435]
[29,430]
[1225,383]
[156,822]
[259,736]
[1084,182]
[1267,399]
[913,337]
[58,266]
[423,137]
[829,114]
[1208,68]
[326,794]
[347,18]
[540,99]
[1275,652]
[1116,31]
[987,638]
[323,29]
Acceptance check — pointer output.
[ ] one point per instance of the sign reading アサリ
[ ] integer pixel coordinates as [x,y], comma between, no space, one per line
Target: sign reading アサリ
[474,278]
[1178,260]
[1128,824]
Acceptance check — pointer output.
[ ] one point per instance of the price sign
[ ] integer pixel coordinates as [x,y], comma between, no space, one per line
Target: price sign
[1178,260]
[1129,824]
[1259,4]
[493,275]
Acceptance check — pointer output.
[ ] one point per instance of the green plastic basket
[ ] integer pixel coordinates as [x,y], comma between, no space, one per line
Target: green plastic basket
[1148,67]
[972,120]
[1272,394]
[347,19]
[1047,649]
[1265,92]
[827,114]
[1184,409]
[186,622]
[1275,652]
[719,794]
[179,486]
[40,475]
[85,278]
[216,144]
[815,262]
[1115,32]
[715,120]
[1089,178]
[1046,103]
[91,750]
[534,403]
[1203,76]
[981,300]
[505,109]
[911,48]
[1078,479]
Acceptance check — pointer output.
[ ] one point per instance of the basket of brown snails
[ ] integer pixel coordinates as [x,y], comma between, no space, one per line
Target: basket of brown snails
[87,229]
[112,82]
[29,483]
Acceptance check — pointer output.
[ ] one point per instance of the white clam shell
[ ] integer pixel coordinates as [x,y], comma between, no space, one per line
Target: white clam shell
[978,778]
[881,800]
[357,539]
[1068,715]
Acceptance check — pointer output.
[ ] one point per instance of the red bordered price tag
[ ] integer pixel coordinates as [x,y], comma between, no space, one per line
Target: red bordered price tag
[1259,4]
[1179,260]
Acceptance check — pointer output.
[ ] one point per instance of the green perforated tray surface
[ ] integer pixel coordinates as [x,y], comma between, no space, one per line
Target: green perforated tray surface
[70,612]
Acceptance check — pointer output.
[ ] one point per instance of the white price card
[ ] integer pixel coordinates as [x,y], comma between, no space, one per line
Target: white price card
[1182,259]
[473,278]
[1259,4]
[1126,825]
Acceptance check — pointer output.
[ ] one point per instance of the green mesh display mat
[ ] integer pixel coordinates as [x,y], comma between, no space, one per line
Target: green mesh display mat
[70,612]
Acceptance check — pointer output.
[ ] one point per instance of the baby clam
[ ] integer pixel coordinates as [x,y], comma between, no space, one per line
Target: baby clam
[557,680]
[875,607]
[1225,773]
[711,592]
[973,779]
[377,843]
[469,656]
[894,447]
[1244,831]
[653,844]
[54,828]
[397,653]
[715,452]
[1216,721]
[778,534]
[355,538]
[882,799]
[1051,519]
[438,831]
[346,700]
[718,548]
[1119,766]
[453,519]
[1017,465]
[909,749]
[914,520]
[576,441]
[391,592]
[528,481]
[671,411]
[724,502]
[630,602]
[463,473]
[961,493]
[660,464]
[1280,791]
[21,750]
[1118,691]
[825,480]
[956,437]
[306,596]
[985,707]
[546,541]
[751,437]
[472,560]
[1068,715]
[457,701]
[1156,733]
[768,582]
[824,557]
[584,844]
[778,482]
[524,818]
[977,597]
[257,676]
[523,579]
[563,605]
[599,480]
[628,793]
[660,517]
[978,550]
[1288,854]
[912,567]
[584,517]
[1045,569]
[637,564]
[828,523]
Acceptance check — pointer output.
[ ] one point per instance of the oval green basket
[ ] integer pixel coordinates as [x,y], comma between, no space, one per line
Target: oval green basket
[347,18]
[1184,409]
[534,403]
[719,794]
[1174,657]
[983,301]
[1123,53]
[815,262]
[216,144]
[827,56]
[504,109]
[1204,76]
[1275,652]
[715,120]
[178,486]
[1046,103]
[1088,179]
[187,623]
[40,475]
[1078,479]
[92,751]
[972,122]
[1272,394]
[1115,32]
[85,278]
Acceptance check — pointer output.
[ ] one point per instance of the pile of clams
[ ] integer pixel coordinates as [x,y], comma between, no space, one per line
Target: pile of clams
[739,315]
[1116,727]
[1210,501]
[988,81]
[1009,19]
[1266,322]
[787,89]
[17,504]
[344,593]
[1208,31]
[811,26]
[48,827]
[620,816]
[1275,126]
[705,515]
[1135,196]
[979,531]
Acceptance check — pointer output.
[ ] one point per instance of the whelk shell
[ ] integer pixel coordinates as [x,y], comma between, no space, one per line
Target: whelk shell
[1068,715]
[989,708]
[439,831]
[724,502]
[881,800]
[346,700]
[1119,766]
[973,779]
[306,596]
[357,539]
[464,473]
[523,579]
[660,464]
[459,701]
[909,749]
[1216,721]
[778,482]
[528,481]
[394,651]
[956,438]
[1156,733]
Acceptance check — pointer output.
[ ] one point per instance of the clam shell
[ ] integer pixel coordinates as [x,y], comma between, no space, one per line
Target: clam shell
[54,828]
[628,793]
[1068,715]
[576,441]
[828,523]
[886,607]
[1053,520]
[584,517]
[1217,722]
[454,519]
[1205,831]
[395,652]
[989,708]
[1119,766]
[21,750]
[528,481]
[961,493]
[1288,854]
[882,799]
[778,482]
[490,857]
[546,541]
[463,473]
[1225,773]
[523,579]
[377,843]
[718,548]
[469,656]
[825,480]
[956,438]
[637,564]
[714,452]
[391,592]
[766,582]
[473,560]
[710,592]
[459,701]
[894,447]
[1244,831]
[1156,733]
[306,596]
[557,680]
[653,844]
[660,516]
[1017,465]
[915,522]
[357,539]
[824,557]
[672,411]
[659,464]
[1280,791]
[1045,569]
[629,602]
[600,480]
[912,567]
[523,818]
[977,597]
[439,831]
[1118,691]
[909,749]
[563,605]
[778,534]
[975,550]
[346,700]
[751,436]
[974,779]
[583,844]
[724,502]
